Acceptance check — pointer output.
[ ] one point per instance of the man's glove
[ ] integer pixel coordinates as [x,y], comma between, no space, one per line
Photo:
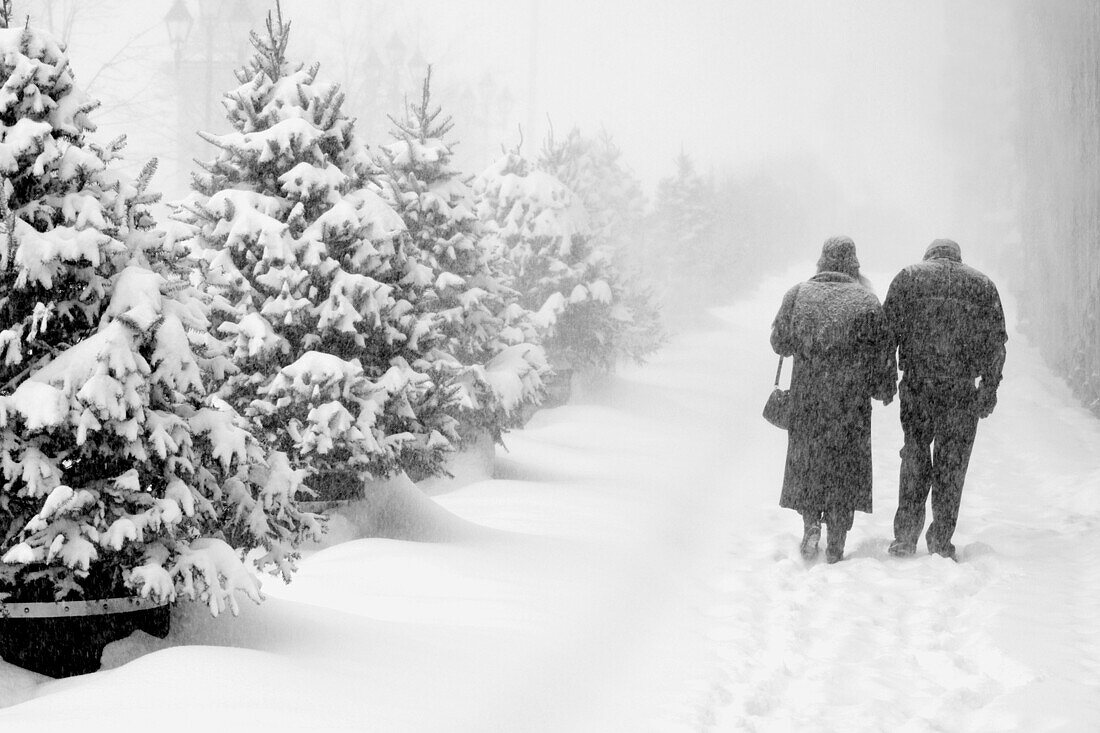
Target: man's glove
[985,401]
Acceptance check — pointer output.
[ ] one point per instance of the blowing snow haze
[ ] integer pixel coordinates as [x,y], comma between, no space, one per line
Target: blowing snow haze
[875,99]
[330,302]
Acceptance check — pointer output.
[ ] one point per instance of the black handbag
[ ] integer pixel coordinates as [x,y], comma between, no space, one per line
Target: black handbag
[777,410]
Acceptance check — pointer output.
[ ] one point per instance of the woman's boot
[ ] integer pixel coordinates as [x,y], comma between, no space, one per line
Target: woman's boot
[811,534]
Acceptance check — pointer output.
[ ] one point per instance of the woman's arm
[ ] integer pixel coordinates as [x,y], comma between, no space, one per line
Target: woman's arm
[884,362]
[783,339]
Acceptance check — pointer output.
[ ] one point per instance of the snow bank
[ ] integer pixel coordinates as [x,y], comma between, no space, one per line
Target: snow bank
[397,509]
[627,569]
[475,462]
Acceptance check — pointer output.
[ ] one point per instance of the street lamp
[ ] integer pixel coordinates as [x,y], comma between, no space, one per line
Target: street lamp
[487,89]
[204,36]
[395,51]
[179,22]
[418,66]
[467,102]
[505,101]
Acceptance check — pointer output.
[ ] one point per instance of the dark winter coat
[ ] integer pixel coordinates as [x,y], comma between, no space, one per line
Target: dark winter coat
[835,329]
[947,320]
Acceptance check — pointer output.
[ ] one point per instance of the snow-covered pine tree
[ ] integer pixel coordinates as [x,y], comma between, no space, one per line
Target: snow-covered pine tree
[313,290]
[489,348]
[612,197]
[571,286]
[686,241]
[592,167]
[120,471]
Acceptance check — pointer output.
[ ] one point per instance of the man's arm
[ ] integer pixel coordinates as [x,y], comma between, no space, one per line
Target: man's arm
[894,309]
[993,360]
[992,371]
[995,337]
[894,304]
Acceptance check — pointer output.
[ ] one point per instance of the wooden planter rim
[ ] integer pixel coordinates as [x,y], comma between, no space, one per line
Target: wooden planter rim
[320,507]
[65,609]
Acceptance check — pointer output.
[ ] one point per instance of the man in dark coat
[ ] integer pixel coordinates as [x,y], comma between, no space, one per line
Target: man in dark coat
[949,328]
[836,331]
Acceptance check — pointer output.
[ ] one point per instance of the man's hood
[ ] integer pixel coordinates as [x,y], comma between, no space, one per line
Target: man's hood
[944,249]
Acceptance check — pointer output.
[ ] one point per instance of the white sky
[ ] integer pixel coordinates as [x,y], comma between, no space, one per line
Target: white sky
[856,83]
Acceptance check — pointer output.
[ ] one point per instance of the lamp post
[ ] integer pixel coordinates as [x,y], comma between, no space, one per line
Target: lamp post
[505,102]
[533,73]
[179,22]
[203,67]
[208,16]
[396,52]
[418,67]
[486,94]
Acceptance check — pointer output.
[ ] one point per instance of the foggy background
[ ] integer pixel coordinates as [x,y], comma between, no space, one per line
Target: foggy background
[894,123]
[859,90]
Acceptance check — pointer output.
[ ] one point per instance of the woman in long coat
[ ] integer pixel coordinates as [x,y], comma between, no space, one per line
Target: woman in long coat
[834,327]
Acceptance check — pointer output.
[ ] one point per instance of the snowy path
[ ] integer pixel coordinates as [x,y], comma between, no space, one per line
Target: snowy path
[629,570]
[1005,640]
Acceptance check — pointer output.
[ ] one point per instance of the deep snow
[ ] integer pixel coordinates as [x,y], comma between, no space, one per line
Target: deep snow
[628,569]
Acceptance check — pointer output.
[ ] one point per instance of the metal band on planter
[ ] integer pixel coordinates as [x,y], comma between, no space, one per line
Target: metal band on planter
[64,638]
[54,609]
[320,507]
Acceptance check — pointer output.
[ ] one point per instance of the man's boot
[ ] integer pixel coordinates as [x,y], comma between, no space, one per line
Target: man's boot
[834,544]
[940,547]
[902,549]
[811,534]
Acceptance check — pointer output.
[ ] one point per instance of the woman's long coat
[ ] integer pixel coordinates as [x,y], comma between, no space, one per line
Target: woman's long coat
[835,329]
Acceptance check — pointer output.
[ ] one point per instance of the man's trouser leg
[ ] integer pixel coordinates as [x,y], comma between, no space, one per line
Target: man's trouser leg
[955,431]
[838,521]
[916,467]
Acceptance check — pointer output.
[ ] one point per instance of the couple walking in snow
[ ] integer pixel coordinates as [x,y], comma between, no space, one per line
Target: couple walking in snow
[943,326]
